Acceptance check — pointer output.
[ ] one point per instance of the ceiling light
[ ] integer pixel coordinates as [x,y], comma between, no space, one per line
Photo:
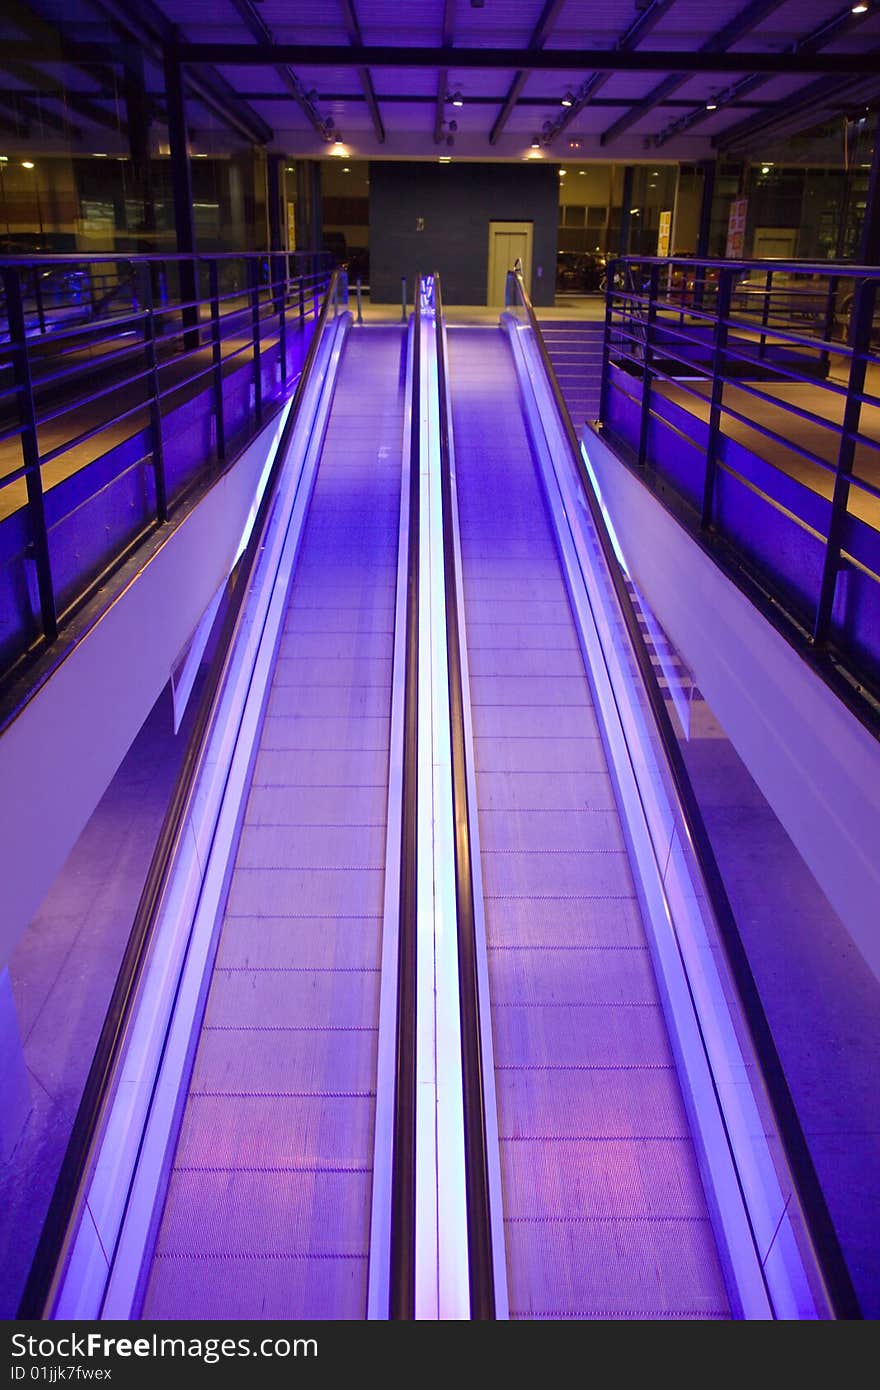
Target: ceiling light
[765,168]
[200,156]
[27,164]
[446,159]
[562,173]
[568,99]
[536,144]
[582,173]
[339,151]
[457,99]
[711,105]
[346,170]
[4,158]
[99,156]
[859,9]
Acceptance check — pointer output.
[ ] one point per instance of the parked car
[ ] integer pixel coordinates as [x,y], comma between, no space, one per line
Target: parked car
[580,272]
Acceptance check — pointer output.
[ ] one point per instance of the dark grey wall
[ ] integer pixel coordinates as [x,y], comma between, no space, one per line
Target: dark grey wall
[457,202]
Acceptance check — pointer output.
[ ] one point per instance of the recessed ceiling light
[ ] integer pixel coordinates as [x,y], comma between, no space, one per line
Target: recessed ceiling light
[99,156]
[346,170]
[582,173]
[27,164]
[446,159]
[711,105]
[562,173]
[859,9]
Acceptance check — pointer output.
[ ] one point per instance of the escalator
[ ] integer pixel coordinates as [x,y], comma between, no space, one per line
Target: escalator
[604,1210]
[433,1014]
[269,1196]
[222,1163]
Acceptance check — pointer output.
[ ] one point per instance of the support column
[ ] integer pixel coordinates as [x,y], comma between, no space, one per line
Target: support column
[14,1086]
[704,230]
[625,210]
[181,187]
[309,214]
[869,241]
[138,115]
[277,230]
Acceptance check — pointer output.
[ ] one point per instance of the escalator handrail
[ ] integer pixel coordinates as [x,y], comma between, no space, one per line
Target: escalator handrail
[479,1228]
[64,1203]
[403,1150]
[823,1234]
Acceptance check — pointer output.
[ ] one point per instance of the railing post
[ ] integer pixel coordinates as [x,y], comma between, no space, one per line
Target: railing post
[605,384]
[828,322]
[653,286]
[30,451]
[360,315]
[403,299]
[863,320]
[280,293]
[722,314]
[765,314]
[255,327]
[217,360]
[38,296]
[302,303]
[155,399]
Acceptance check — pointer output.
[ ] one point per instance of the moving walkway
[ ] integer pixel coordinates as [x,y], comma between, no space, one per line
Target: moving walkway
[439,1013]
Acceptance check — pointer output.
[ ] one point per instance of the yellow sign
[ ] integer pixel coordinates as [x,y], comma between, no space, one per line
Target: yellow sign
[664,233]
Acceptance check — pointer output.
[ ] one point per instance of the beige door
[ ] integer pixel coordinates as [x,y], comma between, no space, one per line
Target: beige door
[774,243]
[508,241]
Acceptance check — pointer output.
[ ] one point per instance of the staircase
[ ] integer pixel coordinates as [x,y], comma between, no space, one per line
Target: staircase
[575,349]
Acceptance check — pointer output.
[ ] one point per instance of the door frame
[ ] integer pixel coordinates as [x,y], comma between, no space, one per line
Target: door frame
[524,228]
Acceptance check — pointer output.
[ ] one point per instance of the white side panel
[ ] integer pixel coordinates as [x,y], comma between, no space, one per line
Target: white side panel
[818,767]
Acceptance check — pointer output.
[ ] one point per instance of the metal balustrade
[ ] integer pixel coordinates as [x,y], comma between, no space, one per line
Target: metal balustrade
[748,393]
[125,383]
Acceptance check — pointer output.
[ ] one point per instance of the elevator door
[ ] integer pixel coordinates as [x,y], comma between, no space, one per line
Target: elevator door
[507,242]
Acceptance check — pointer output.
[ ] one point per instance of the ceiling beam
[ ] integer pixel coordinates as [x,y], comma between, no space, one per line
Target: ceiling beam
[825,33]
[540,34]
[353,29]
[254,21]
[629,39]
[742,23]
[426,99]
[36,114]
[75,101]
[447,38]
[806,102]
[549,59]
[50,35]
[147,25]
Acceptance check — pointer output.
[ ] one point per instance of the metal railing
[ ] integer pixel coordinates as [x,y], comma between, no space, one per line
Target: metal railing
[750,392]
[101,358]
[682,835]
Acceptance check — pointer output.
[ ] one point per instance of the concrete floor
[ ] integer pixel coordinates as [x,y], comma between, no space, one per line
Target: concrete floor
[821,998]
[63,972]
